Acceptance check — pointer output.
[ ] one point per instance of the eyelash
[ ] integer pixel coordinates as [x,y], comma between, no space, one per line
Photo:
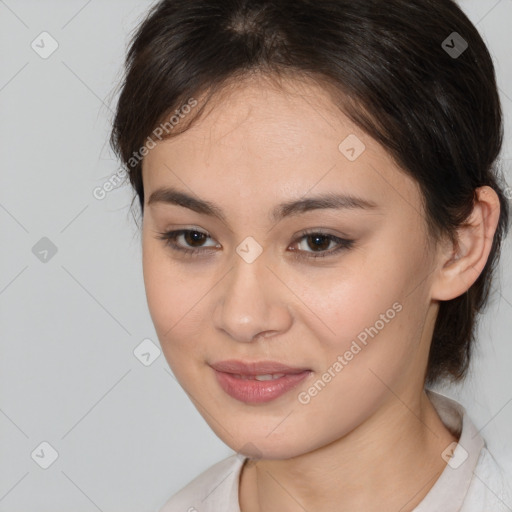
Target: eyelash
[169,238]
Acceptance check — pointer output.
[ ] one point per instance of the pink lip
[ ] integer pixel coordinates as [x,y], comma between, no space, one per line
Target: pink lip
[229,376]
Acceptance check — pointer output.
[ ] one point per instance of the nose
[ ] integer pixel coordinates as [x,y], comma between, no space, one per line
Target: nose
[251,302]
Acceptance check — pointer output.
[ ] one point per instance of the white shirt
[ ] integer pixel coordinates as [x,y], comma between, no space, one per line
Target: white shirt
[472,481]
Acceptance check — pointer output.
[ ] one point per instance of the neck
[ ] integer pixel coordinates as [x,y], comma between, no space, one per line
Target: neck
[389,462]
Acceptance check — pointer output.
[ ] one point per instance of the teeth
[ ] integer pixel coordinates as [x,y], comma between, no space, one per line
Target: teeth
[267,376]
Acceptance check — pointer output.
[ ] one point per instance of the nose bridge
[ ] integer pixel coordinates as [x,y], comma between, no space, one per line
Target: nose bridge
[249,307]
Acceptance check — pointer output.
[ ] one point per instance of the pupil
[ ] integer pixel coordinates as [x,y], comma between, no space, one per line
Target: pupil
[194,236]
[320,237]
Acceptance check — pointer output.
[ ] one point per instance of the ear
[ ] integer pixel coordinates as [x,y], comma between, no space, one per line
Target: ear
[461,263]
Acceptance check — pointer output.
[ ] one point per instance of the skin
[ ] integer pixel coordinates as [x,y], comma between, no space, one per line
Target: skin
[372,427]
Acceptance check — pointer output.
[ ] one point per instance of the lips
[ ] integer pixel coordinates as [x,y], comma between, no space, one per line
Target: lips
[258,382]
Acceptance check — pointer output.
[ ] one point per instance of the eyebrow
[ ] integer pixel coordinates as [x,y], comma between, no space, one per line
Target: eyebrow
[169,195]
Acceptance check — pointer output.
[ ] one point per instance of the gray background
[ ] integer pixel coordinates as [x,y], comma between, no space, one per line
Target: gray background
[126,434]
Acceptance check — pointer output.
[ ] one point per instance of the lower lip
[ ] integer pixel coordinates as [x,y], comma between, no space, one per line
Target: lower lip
[258,391]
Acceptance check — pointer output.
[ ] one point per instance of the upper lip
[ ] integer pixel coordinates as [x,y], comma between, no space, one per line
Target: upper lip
[254,368]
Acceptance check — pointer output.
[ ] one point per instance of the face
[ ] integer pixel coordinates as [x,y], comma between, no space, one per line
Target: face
[337,290]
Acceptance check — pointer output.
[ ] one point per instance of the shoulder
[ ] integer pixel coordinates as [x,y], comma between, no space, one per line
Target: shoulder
[489,488]
[214,489]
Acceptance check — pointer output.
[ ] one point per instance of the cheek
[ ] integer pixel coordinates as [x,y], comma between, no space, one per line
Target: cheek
[172,296]
[374,326]
[367,315]
[342,301]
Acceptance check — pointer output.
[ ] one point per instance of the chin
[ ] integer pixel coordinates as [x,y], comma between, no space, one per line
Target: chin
[260,445]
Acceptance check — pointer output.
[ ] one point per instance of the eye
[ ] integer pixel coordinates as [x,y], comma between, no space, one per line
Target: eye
[194,243]
[320,242]
[193,237]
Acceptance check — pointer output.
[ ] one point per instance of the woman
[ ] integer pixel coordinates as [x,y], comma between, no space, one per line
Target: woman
[321,218]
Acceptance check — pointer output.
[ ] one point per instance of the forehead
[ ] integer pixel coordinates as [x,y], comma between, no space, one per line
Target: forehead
[287,118]
[285,139]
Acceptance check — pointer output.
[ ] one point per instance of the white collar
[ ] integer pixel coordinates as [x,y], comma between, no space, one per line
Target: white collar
[450,489]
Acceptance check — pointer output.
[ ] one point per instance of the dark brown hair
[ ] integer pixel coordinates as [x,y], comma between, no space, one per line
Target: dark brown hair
[400,73]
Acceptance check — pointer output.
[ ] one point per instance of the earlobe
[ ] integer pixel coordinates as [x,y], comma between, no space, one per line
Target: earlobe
[460,264]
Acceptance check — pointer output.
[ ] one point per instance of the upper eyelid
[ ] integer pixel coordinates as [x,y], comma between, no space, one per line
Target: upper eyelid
[297,238]
[300,234]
